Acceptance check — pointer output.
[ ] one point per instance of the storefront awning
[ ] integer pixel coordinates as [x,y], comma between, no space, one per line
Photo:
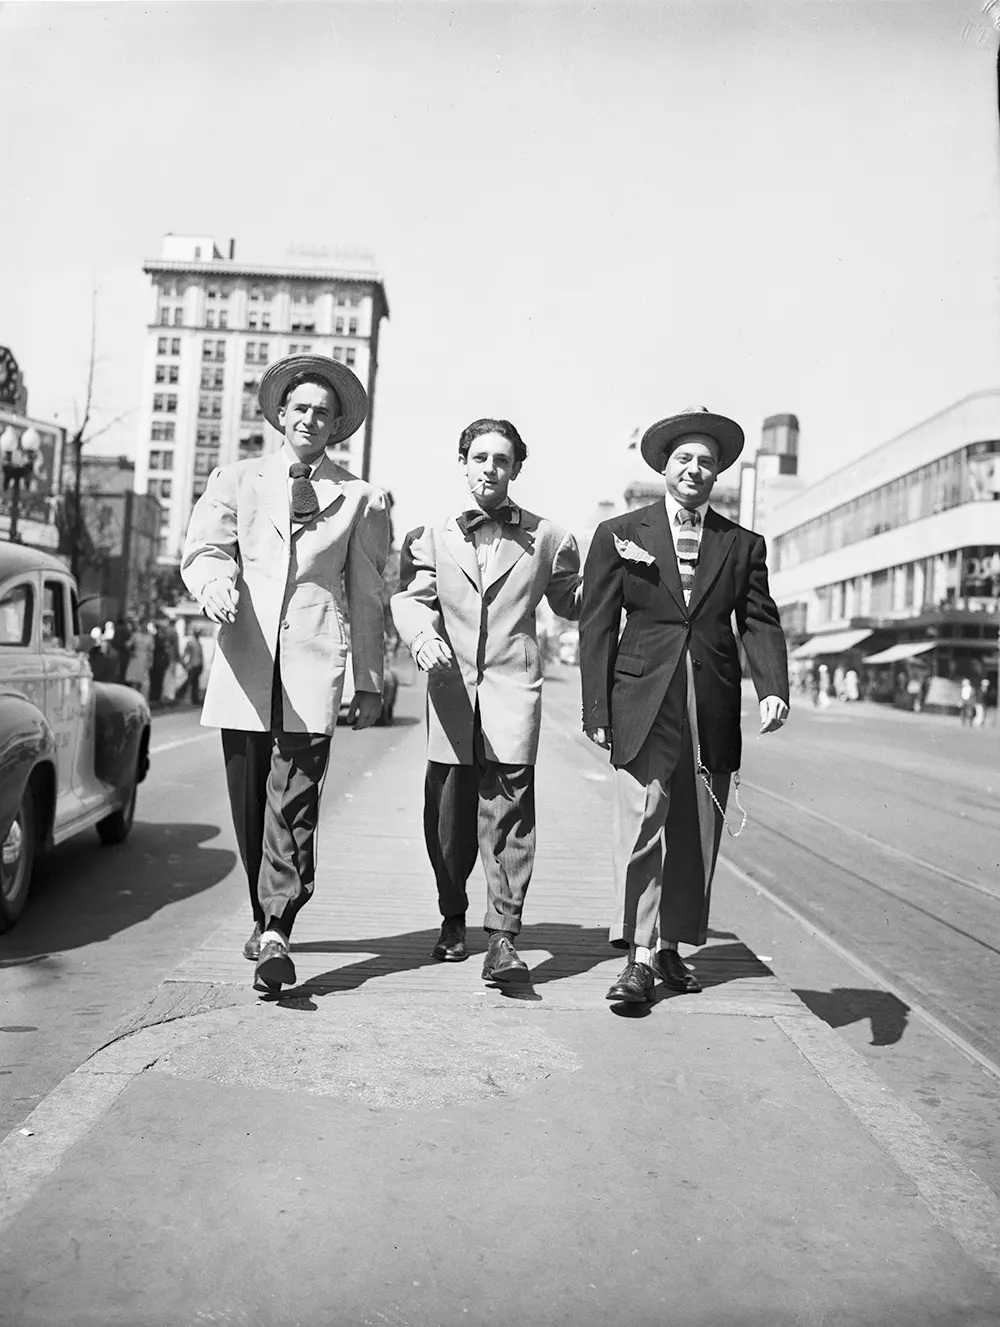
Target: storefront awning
[830,642]
[896,652]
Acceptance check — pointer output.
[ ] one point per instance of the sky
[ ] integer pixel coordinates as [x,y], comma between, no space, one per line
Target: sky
[587,216]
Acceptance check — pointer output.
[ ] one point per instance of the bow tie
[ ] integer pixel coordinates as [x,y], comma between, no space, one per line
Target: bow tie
[472,520]
[304,502]
[685,517]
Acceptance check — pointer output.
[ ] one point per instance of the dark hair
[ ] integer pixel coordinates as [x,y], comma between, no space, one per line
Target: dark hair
[502,426]
[316,378]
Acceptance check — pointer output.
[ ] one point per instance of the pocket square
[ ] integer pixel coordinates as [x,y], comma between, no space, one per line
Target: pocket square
[630,552]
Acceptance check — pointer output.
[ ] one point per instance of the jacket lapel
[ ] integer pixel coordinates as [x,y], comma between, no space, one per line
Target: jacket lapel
[272,490]
[512,545]
[716,541]
[463,551]
[659,541]
[328,484]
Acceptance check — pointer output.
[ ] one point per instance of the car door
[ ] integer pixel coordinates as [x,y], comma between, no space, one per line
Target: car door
[63,686]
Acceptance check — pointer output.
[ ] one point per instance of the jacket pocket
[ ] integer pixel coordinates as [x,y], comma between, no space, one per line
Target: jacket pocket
[631,664]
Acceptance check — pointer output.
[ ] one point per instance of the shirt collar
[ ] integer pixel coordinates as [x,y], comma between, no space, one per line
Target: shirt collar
[292,459]
[673,507]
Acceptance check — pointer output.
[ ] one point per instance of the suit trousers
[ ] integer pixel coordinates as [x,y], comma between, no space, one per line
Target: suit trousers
[666,830]
[489,808]
[275,782]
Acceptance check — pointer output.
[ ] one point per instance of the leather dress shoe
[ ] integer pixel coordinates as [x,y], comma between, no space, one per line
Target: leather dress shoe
[450,947]
[502,962]
[635,984]
[251,949]
[274,966]
[676,974]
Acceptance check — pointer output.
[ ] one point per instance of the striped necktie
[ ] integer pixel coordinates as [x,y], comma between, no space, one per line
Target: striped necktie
[687,542]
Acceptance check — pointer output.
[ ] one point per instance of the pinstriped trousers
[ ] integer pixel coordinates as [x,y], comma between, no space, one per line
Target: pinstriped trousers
[489,808]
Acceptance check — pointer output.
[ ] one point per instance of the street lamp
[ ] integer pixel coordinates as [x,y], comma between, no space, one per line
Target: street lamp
[18,463]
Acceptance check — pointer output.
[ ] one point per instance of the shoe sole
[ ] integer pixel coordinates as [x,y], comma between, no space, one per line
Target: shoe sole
[509,976]
[276,971]
[252,955]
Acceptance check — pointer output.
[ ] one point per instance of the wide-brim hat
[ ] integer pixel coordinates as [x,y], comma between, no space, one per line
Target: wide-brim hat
[660,438]
[346,386]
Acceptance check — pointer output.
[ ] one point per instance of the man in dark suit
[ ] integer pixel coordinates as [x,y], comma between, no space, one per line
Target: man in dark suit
[665,697]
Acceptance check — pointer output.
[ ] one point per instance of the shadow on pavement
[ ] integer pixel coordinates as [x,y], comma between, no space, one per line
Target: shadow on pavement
[843,1005]
[573,949]
[82,892]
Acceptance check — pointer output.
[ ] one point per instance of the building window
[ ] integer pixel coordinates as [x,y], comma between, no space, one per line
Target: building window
[265,321]
[161,345]
[352,327]
[208,436]
[161,373]
[251,322]
[158,402]
[161,488]
[338,352]
[162,430]
[350,356]
[338,327]
[223,318]
[161,460]
[173,373]
[354,300]
[197,489]
[175,345]
[262,352]
[171,404]
[254,294]
[178,316]
[164,317]
[209,317]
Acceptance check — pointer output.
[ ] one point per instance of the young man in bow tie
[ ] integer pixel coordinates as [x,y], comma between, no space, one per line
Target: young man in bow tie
[665,697]
[469,588]
[270,544]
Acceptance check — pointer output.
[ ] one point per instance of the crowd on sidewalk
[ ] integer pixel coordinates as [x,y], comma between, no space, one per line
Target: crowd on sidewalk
[150,658]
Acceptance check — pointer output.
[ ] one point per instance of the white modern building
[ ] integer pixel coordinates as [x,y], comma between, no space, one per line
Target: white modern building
[895,558]
[215,324]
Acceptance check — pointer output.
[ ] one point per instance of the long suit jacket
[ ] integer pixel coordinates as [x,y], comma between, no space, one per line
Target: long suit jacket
[490,626]
[625,681]
[290,580]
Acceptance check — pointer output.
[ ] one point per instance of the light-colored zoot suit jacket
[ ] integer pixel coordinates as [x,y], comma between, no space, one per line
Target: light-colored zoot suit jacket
[291,580]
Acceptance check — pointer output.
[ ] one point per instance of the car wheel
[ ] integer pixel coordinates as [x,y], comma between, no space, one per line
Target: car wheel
[116,827]
[17,859]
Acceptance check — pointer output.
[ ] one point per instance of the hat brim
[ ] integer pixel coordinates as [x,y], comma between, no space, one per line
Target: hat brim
[660,438]
[351,395]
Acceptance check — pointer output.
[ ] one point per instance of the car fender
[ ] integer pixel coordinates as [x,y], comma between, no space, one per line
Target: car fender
[26,742]
[121,734]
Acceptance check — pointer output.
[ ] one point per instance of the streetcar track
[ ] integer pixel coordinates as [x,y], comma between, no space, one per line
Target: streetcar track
[877,978]
[882,889]
[978,886]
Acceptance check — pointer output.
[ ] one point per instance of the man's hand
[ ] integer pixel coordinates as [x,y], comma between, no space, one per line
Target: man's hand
[599,736]
[364,709]
[220,600]
[434,656]
[773,713]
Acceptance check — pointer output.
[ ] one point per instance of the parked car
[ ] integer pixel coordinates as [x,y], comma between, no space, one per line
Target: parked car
[390,685]
[72,751]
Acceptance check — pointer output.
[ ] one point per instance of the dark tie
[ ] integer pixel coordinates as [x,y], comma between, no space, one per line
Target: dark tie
[687,544]
[472,520]
[304,503]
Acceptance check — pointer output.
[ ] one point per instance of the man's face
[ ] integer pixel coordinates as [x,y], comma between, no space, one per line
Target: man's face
[691,469]
[308,417]
[489,468]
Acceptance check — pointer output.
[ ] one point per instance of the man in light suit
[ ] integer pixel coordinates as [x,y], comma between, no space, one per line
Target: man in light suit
[665,696]
[469,588]
[271,543]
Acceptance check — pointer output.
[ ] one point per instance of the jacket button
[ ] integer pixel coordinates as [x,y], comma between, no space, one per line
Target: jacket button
[284,626]
[696,662]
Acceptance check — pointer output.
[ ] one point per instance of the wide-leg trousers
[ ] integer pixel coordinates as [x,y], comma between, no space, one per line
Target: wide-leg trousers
[275,782]
[666,830]
[487,808]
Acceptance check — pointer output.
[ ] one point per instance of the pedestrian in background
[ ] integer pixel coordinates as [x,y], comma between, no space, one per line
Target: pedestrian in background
[192,659]
[664,698]
[161,659]
[270,543]
[469,588]
[967,702]
[140,661]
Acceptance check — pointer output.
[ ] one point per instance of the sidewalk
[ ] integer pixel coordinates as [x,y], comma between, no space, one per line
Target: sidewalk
[393,1143]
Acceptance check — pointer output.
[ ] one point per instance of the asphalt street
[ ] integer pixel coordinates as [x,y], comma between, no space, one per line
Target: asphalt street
[105,925]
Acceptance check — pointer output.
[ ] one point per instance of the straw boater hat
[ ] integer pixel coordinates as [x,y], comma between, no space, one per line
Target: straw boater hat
[660,439]
[351,396]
